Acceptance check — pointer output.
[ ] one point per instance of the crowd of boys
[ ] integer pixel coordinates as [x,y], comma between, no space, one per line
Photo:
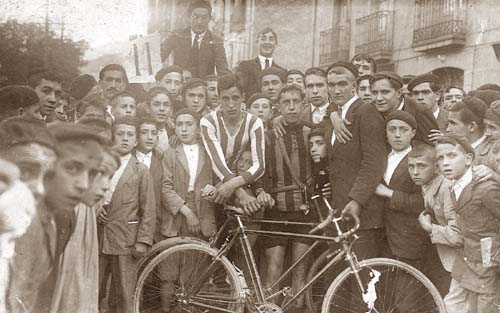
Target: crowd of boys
[93,176]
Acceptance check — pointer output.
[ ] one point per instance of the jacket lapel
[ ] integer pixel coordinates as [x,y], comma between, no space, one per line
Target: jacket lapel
[126,175]
[465,196]
[401,170]
[181,156]
[201,160]
[350,117]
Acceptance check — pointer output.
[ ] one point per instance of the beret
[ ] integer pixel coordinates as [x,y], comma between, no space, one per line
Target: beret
[402,116]
[81,86]
[476,106]
[489,87]
[74,132]
[391,76]
[20,130]
[487,96]
[257,96]
[347,65]
[169,69]
[281,73]
[407,78]
[191,112]
[424,78]
[17,96]
[291,72]
[493,113]
[319,131]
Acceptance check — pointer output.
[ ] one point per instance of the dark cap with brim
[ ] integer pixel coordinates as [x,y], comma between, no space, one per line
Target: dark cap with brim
[347,65]
[424,78]
[391,76]
[282,74]
[74,132]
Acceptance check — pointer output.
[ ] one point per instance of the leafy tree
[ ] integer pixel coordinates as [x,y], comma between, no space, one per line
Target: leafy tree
[23,47]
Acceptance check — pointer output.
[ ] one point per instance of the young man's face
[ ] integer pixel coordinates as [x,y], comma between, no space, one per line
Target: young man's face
[48,92]
[199,20]
[75,168]
[147,137]
[364,91]
[291,105]
[172,82]
[123,106]
[453,161]
[125,138]
[341,87]
[424,95]
[262,109]
[297,80]
[186,128]
[34,161]
[161,108]
[317,148]
[386,98]
[492,129]
[266,43]
[101,182]
[60,111]
[399,134]
[452,97]
[271,86]
[457,127]
[316,90]
[244,162]
[112,83]
[364,67]
[230,100]
[422,170]
[212,94]
[196,98]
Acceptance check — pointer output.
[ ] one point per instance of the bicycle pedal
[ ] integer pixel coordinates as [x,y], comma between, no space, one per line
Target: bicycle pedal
[287,292]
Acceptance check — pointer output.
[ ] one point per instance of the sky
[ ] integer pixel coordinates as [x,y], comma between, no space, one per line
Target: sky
[99,22]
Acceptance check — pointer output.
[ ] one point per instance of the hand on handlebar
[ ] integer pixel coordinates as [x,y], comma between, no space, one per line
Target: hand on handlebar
[351,209]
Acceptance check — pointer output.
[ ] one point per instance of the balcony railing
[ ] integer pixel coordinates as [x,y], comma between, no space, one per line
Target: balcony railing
[439,24]
[334,45]
[374,35]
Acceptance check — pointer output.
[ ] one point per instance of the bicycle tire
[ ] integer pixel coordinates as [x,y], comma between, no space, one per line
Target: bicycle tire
[200,253]
[343,284]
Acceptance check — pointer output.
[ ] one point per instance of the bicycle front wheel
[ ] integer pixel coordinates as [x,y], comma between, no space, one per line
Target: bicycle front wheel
[189,278]
[387,286]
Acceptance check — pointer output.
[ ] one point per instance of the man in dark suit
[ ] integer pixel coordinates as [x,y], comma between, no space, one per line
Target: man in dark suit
[196,49]
[357,167]
[248,71]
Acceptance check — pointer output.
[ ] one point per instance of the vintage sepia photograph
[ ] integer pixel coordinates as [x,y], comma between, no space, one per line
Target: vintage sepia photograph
[249,156]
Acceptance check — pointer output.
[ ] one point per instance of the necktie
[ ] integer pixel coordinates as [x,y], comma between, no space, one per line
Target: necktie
[195,49]
[267,63]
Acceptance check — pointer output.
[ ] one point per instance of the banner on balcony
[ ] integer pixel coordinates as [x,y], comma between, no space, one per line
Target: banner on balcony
[143,59]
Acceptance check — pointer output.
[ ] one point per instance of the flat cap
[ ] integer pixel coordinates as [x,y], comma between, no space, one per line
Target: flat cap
[453,139]
[188,111]
[424,78]
[294,71]
[74,132]
[319,131]
[81,86]
[347,65]
[493,112]
[391,76]
[19,130]
[407,78]
[282,74]
[16,97]
[476,106]
[257,96]
[489,87]
[402,116]
[487,96]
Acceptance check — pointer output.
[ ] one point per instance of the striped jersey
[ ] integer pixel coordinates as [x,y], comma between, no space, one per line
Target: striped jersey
[224,149]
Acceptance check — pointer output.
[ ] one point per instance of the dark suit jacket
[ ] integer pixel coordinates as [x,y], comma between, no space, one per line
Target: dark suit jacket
[357,167]
[212,54]
[132,211]
[405,236]
[442,120]
[248,71]
[425,120]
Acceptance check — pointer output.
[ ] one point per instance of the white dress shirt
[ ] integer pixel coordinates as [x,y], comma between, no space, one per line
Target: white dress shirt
[400,107]
[191,152]
[395,157]
[144,158]
[460,184]
[476,143]
[344,108]
[119,172]
[200,37]
[262,61]
[318,113]
[436,113]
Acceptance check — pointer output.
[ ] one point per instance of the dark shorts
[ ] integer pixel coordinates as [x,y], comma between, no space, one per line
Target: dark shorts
[295,216]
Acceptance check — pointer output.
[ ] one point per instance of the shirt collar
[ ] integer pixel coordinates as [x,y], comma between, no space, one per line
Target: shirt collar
[401,105]
[436,113]
[347,105]
[143,155]
[125,158]
[433,186]
[402,152]
[464,180]
[476,143]
[321,108]
[262,60]
[200,36]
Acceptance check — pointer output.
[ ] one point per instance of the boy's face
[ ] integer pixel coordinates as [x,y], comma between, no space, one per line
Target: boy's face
[230,100]
[316,90]
[262,109]
[75,168]
[112,83]
[456,126]
[101,182]
[422,170]
[48,92]
[212,94]
[244,161]
[399,134]
[364,67]
[125,138]
[296,79]
[317,148]
[386,98]
[364,91]
[271,86]
[186,128]
[147,137]
[196,98]
[453,161]
[172,82]
[123,106]
[160,107]
[492,129]
[93,111]
[291,106]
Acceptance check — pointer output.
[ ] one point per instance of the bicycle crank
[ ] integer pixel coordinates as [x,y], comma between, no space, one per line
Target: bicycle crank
[268,308]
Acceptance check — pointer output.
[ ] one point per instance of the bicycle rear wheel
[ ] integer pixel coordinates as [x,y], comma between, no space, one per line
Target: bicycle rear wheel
[189,278]
[389,286]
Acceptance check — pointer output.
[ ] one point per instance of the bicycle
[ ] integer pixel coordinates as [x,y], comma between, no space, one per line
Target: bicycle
[202,279]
